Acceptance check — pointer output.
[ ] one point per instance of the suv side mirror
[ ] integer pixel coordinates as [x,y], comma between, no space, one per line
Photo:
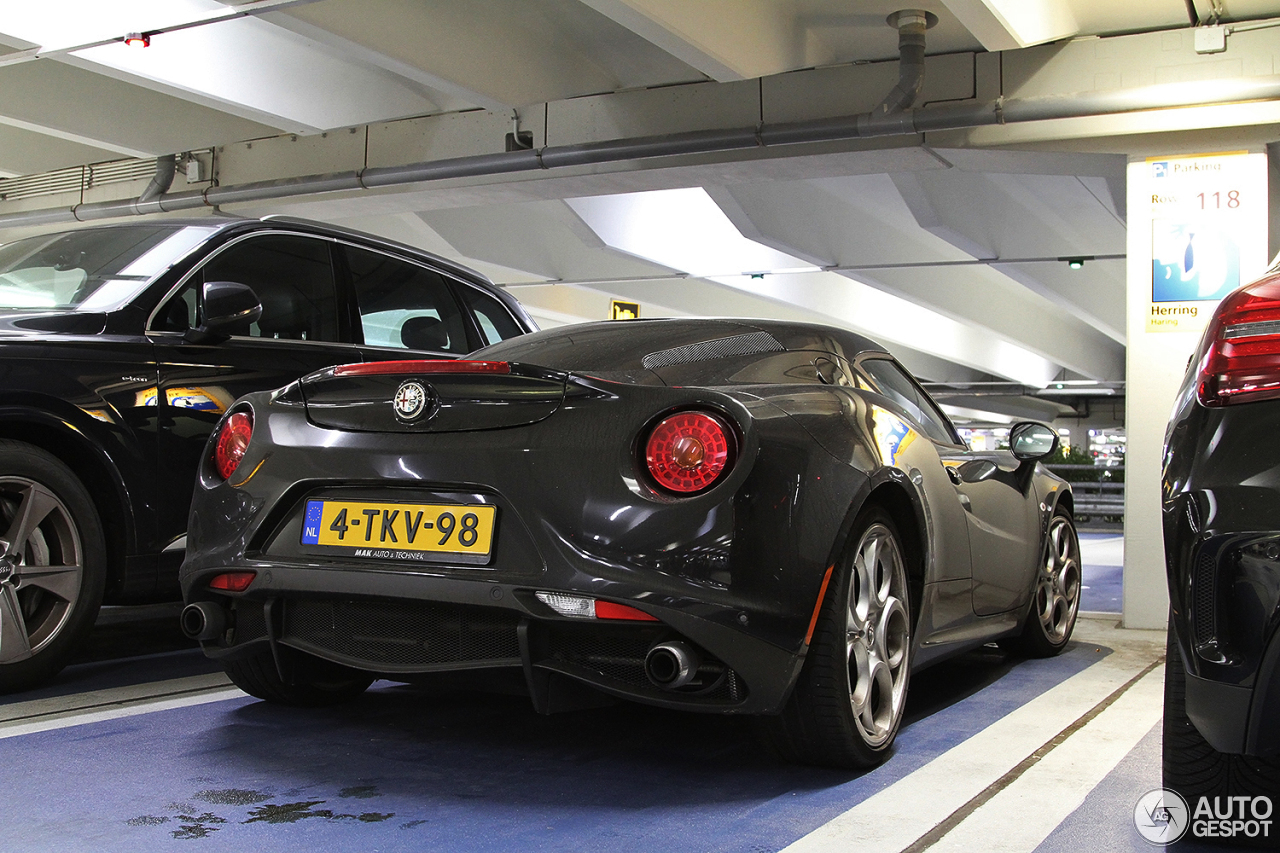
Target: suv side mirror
[1030,440]
[227,307]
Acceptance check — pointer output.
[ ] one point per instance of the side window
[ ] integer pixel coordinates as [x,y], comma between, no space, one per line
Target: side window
[898,386]
[405,305]
[495,321]
[292,277]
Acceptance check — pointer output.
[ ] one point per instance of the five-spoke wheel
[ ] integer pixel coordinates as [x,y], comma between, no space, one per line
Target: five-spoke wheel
[51,564]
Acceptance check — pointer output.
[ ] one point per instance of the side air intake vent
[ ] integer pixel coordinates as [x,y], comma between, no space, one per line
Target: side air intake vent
[752,343]
[1205,600]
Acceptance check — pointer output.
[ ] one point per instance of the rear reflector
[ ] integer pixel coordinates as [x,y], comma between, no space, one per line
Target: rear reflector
[577,607]
[232,581]
[420,366]
[609,610]
[1241,349]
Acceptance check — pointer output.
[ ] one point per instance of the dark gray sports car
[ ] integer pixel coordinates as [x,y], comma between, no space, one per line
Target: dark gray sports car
[715,515]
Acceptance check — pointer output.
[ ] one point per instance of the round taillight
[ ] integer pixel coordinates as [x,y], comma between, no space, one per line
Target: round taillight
[688,451]
[233,441]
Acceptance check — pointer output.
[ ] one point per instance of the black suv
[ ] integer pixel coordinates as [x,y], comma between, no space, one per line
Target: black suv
[121,346]
[1222,549]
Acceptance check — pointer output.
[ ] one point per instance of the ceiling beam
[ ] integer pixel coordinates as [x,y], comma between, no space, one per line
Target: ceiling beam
[497,54]
[725,39]
[865,222]
[59,101]
[1013,24]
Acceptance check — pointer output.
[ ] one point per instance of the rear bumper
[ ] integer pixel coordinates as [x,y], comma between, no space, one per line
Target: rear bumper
[398,625]
[1222,553]
[735,571]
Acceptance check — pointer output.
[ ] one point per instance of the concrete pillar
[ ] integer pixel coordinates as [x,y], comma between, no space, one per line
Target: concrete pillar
[1197,229]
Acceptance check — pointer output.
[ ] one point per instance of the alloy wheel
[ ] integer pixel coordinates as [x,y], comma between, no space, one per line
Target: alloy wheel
[41,567]
[1058,591]
[877,635]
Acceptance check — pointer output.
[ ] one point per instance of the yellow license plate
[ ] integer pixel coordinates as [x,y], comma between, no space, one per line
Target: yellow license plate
[400,527]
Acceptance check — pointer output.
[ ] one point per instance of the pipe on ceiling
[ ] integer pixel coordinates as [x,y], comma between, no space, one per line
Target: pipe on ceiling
[862,126]
[911,25]
[166,165]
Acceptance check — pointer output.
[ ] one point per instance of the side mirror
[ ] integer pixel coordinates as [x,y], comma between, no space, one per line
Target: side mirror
[1030,440]
[227,308]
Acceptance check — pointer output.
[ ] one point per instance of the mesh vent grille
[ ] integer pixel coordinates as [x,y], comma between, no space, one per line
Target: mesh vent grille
[748,344]
[250,622]
[1205,600]
[403,637]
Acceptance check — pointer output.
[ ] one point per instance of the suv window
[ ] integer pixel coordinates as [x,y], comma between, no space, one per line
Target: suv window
[292,276]
[493,319]
[405,305]
[895,384]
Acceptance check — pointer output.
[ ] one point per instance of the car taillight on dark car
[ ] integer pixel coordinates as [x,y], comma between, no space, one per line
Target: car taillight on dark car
[1241,352]
[232,442]
[689,451]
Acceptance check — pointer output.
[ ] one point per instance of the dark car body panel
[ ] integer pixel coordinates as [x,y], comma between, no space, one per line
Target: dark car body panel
[737,569]
[1222,550]
[129,406]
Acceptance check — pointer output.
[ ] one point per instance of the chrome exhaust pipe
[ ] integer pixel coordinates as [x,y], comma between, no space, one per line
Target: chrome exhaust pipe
[203,621]
[671,665]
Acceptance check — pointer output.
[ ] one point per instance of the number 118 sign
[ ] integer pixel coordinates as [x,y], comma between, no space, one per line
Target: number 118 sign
[1208,234]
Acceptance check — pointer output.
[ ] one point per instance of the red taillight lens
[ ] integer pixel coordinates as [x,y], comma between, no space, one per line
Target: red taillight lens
[1241,361]
[232,581]
[233,441]
[443,365]
[688,451]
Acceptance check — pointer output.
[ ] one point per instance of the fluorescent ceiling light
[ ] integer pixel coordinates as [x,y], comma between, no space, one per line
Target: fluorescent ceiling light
[681,229]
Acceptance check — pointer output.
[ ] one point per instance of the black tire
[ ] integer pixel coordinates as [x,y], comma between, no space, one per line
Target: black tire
[314,683]
[1055,600]
[847,704]
[1195,769]
[53,574]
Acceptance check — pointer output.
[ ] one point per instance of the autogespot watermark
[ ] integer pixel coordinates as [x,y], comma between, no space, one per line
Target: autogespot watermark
[1163,817]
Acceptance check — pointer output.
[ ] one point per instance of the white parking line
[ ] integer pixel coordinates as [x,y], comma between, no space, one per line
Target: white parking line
[1048,792]
[895,818]
[42,715]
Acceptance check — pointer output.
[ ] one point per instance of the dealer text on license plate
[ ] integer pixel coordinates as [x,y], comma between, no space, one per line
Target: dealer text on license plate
[440,528]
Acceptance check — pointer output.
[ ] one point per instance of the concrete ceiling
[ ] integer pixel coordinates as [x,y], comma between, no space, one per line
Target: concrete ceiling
[947,246]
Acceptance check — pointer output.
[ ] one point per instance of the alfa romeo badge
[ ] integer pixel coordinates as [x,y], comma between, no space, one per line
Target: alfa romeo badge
[410,401]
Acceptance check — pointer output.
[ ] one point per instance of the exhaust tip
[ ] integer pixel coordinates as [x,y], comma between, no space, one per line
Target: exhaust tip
[203,621]
[671,665]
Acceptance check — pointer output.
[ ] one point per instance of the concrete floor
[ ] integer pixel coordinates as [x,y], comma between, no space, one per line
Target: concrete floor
[159,752]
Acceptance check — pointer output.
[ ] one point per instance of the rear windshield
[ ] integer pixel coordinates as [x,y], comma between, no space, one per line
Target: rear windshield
[97,269]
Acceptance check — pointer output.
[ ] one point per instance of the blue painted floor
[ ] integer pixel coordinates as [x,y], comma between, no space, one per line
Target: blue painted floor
[416,768]
[441,766]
